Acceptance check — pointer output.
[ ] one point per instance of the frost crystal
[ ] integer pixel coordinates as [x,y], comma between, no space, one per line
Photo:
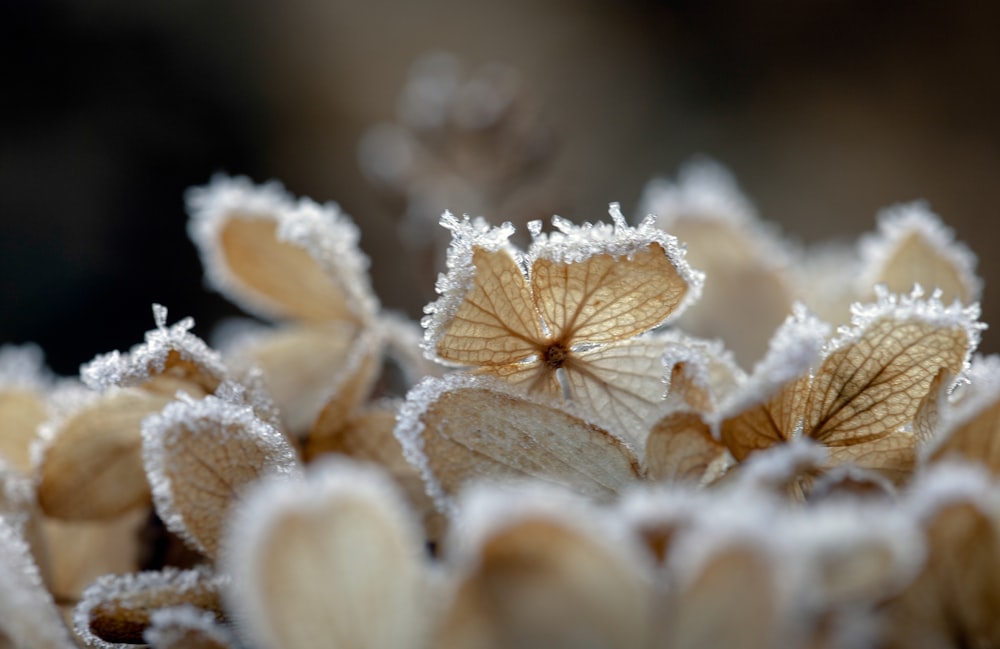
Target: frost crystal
[145,360]
[23,367]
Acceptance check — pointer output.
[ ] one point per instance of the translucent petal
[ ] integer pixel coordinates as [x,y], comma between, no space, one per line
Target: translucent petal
[542,571]
[352,384]
[21,413]
[115,610]
[495,324]
[702,374]
[893,456]
[91,463]
[872,385]
[461,427]
[200,456]
[912,246]
[277,257]
[969,428]
[605,298]
[300,365]
[619,386]
[182,627]
[28,615]
[765,424]
[681,448]
[335,557]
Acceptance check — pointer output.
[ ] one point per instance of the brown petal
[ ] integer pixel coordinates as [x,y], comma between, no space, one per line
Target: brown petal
[764,424]
[200,456]
[681,447]
[455,431]
[92,463]
[117,608]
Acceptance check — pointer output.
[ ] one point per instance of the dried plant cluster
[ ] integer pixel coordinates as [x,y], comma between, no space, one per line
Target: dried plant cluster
[585,443]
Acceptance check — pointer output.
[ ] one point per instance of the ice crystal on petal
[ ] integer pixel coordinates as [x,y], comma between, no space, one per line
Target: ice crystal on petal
[913,246]
[23,367]
[144,361]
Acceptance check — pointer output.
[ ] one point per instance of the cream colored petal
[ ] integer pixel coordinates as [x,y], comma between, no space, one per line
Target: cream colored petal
[976,439]
[620,386]
[116,609]
[91,467]
[604,298]
[81,551]
[538,579]
[21,412]
[351,385]
[893,455]
[681,448]
[464,428]
[495,324]
[765,424]
[927,419]
[731,601]
[914,261]
[871,386]
[739,279]
[200,457]
[300,364]
[335,559]
[368,437]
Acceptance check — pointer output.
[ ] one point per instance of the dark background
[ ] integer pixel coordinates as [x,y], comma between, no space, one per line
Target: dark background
[825,111]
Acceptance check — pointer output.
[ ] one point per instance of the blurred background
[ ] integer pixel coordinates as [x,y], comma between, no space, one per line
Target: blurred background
[825,111]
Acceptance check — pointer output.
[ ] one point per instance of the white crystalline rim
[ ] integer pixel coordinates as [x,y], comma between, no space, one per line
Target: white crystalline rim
[206,416]
[328,479]
[23,367]
[910,306]
[794,350]
[838,527]
[28,614]
[114,586]
[980,389]
[895,224]
[571,243]
[777,463]
[167,626]
[137,365]
[699,354]
[324,231]
[951,482]
[409,427]
[568,244]
[707,191]
[453,285]
[485,509]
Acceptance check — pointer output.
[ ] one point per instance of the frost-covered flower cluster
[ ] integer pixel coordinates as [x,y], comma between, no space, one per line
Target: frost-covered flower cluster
[681,433]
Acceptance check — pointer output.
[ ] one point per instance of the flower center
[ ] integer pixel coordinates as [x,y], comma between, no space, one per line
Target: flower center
[555,355]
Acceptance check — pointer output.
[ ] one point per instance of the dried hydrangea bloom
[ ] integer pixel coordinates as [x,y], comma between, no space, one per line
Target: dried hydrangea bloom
[658,513]
[116,610]
[200,456]
[563,321]
[861,399]
[969,428]
[277,257]
[912,246]
[28,615]
[747,264]
[953,600]
[335,557]
[24,383]
[534,567]
[466,427]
